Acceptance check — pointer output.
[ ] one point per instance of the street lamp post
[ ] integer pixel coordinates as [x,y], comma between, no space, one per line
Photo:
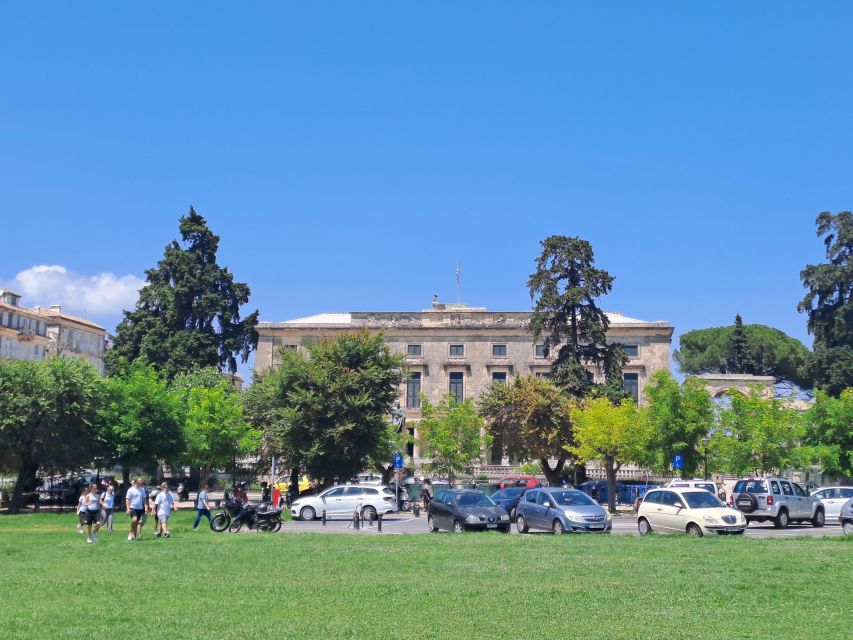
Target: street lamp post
[705,441]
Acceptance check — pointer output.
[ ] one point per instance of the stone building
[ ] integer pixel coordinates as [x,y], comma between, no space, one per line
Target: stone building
[461,350]
[39,333]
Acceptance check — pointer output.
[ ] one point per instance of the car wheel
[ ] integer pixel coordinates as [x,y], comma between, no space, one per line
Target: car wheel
[781,521]
[307,513]
[431,525]
[368,513]
[458,527]
[521,524]
[847,527]
[643,526]
[694,530]
[819,518]
[557,528]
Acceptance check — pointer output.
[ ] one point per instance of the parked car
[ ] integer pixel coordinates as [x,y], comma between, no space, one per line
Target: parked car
[693,483]
[519,481]
[833,498]
[459,510]
[846,517]
[508,498]
[369,501]
[778,500]
[688,510]
[561,511]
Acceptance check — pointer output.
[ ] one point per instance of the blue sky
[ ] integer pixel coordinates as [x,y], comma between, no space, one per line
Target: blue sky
[349,154]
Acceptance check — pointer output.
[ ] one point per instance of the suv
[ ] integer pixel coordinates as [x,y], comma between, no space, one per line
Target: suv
[776,499]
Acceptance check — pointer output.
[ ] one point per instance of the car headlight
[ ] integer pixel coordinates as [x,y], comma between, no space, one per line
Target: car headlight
[710,519]
[473,518]
[505,517]
[571,515]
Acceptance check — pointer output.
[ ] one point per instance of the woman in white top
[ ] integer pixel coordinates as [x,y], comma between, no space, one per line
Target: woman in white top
[93,510]
[108,502]
[81,509]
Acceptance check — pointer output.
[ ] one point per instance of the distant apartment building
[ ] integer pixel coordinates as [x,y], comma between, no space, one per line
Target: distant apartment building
[38,333]
[460,350]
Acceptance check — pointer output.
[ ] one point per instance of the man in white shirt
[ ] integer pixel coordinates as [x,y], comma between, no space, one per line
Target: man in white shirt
[163,505]
[135,502]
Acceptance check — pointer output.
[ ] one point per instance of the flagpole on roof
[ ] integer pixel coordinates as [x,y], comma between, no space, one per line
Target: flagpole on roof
[459,282]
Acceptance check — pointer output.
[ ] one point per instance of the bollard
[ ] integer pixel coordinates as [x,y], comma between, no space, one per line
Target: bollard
[355,520]
[370,519]
[416,510]
[379,523]
[324,517]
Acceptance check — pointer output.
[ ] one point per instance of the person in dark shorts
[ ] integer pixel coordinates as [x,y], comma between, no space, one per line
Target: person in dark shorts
[135,503]
[93,512]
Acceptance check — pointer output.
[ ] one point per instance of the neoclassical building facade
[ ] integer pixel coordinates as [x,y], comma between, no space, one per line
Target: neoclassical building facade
[461,350]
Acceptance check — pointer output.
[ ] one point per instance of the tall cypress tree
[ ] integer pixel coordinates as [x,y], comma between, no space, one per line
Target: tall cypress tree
[188,313]
[741,358]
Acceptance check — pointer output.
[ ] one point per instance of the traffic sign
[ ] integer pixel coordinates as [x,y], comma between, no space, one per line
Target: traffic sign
[678,462]
[398,460]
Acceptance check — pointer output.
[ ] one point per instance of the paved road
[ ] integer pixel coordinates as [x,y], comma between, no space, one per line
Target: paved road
[405,523]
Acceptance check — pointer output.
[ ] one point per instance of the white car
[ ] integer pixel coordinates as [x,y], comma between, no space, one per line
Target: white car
[369,501]
[833,498]
[687,510]
[694,483]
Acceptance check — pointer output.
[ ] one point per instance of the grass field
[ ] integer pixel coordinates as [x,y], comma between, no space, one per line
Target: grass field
[201,584]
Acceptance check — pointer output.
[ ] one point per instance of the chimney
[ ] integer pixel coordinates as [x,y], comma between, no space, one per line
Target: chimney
[56,308]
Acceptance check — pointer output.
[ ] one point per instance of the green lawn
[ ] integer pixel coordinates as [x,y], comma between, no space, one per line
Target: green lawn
[201,584]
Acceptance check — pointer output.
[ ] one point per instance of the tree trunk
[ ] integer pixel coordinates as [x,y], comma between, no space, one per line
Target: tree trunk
[610,467]
[205,476]
[195,477]
[552,474]
[294,481]
[579,473]
[26,478]
[386,473]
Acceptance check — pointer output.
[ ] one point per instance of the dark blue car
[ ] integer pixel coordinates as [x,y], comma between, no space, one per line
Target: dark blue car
[509,498]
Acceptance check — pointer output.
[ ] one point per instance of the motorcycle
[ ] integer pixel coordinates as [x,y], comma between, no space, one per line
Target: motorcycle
[222,520]
[262,517]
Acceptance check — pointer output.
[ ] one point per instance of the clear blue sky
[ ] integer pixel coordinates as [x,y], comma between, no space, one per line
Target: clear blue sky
[350,153]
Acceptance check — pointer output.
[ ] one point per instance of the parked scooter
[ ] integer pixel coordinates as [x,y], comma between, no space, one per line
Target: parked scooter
[262,517]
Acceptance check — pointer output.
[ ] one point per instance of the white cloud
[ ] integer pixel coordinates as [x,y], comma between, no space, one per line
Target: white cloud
[103,294]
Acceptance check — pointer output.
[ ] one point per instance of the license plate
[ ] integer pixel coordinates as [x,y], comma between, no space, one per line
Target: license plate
[596,526]
[732,529]
[491,526]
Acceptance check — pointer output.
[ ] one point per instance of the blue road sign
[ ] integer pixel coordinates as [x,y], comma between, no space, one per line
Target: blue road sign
[678,462]
[398,460]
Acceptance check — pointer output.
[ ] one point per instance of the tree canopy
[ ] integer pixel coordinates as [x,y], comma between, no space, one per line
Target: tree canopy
[451,436]
[327,412]
[753,348]
[829,304]
[829,425]
[188,312]
[530,418]
[49,418]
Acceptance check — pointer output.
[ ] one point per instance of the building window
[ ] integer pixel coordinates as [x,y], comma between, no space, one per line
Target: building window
[457,350]
[540,351]
[499,351]
[413,350]
[499,376]
[631,350]
[631,384]
[457,386]
[413,390]
[410,442]
[543,374]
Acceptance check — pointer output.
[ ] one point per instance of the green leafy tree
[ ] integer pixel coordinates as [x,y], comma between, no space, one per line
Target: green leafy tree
[829,305]
[760,434]
[327,412]
[680,416]
[215,429]
[143,419]
[829,426]
[188,313]
[613,435]
[49,419]
[451,436]
[530,418]
[564,289]
[753,348]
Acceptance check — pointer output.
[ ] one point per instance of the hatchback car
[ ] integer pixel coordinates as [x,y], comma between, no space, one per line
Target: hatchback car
[561,511]
[508,498]
[369,501]
[460,510]
[519,481]
[694,511]
[833,498]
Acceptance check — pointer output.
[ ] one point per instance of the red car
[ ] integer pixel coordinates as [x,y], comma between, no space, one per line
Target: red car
[519,481]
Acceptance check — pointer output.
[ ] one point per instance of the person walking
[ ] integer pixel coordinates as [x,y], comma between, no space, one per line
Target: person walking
[81,509]
[108,501]
[203,507]
[163,505]
[146,507]
[135,504]
[93,511]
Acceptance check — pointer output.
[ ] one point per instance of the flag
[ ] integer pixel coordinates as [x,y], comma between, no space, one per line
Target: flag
[458,272]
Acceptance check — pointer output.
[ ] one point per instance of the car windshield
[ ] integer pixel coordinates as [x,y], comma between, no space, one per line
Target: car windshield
[572,498]
[508,494]
[751,486]
[701,500]
[474,500]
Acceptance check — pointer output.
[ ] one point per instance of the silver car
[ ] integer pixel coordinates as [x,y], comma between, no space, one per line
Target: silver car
[369,501]
[847,517]
[778,500]
[561,511]
[833,498]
